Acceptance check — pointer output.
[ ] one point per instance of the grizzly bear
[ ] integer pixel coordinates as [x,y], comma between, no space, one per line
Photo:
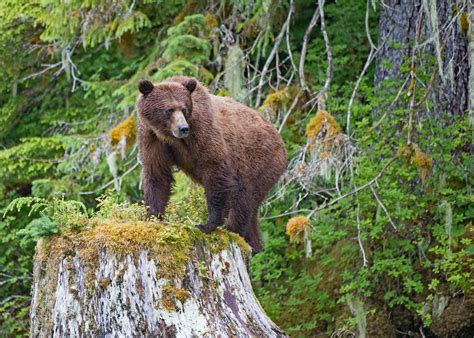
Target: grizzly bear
[227,147]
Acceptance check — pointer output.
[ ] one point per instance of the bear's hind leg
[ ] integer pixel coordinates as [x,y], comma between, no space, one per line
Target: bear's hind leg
[254,235]
[243,220]
[239,215]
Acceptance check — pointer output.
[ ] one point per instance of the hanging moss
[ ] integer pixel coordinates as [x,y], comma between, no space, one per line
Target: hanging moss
[211,21]
[127,44]
[321,120]
[125,129]
[192,24]
[296,228]
[422,162]
[279,99]
[190,7]
[464,22]
[413,155]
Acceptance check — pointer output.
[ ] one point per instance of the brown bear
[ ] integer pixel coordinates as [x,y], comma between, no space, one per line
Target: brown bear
[225,146]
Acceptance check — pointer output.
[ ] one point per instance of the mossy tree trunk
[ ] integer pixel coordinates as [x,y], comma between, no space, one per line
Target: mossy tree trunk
[93,290]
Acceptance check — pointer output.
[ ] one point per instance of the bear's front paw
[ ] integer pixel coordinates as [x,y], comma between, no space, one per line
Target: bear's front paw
[206,228]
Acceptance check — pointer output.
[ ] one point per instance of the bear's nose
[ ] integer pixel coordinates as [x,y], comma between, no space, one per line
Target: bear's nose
[184,129]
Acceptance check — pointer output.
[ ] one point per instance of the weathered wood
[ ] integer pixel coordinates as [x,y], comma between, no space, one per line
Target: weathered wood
[125,295]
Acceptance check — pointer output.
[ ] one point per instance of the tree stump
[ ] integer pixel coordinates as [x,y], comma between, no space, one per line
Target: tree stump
[122,279]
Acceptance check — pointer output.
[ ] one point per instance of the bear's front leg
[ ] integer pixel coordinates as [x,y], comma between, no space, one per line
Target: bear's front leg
[157,176]
[157,189]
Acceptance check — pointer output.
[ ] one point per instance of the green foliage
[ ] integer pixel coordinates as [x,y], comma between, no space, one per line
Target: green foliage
[33,158]
[70,71]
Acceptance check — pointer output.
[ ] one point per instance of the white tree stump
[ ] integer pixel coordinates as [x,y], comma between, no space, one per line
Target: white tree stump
[88,285]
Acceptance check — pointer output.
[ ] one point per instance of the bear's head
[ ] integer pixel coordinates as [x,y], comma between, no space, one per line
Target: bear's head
[166,107]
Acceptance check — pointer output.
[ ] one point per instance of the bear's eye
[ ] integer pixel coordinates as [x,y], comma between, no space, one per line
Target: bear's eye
[169,111]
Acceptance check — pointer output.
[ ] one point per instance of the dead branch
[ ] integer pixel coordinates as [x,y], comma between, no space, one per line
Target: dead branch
[270,58]
[359,239]
[373,52]
[383,208]
[412,89]
[329,72]
[304,48]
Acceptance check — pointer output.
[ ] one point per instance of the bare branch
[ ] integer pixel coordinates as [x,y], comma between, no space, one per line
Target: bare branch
[383,208]
[359,239]
[412,88]
[286,214]
[293,105]
[288,46]
[304,48]
[46,69]
[270,58]
[370,58]
[323,92]
[111,182]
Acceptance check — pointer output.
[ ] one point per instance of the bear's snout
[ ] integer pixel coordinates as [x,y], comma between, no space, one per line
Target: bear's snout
[184,130]
[179,125]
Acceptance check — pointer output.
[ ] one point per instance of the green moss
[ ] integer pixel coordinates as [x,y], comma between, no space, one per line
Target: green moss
[171,295]
[464,22]
[122,229]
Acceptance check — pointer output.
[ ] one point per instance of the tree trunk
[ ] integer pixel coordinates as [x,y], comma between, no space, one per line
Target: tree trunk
[442,38]
[85,287]
[469,22]
[397,26]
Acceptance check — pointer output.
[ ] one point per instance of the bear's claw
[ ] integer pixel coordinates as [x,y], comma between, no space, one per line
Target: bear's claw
[206,228]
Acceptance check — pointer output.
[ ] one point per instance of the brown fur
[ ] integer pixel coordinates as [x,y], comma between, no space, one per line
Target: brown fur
[231,150]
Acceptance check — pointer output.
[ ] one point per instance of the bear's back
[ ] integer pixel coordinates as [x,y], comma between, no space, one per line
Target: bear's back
[251,139]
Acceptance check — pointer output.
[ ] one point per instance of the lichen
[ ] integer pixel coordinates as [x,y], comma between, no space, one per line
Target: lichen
[324,154]
[296,228]
[234,79]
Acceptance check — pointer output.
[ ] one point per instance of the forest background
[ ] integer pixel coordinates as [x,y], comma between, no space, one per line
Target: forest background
[369,230]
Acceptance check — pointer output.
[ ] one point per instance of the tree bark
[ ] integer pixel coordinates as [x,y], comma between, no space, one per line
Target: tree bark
[397,26]
[125,295]
[442,38]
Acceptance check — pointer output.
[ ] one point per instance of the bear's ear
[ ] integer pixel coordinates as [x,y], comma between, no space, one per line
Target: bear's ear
[145,87]
[191,85]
